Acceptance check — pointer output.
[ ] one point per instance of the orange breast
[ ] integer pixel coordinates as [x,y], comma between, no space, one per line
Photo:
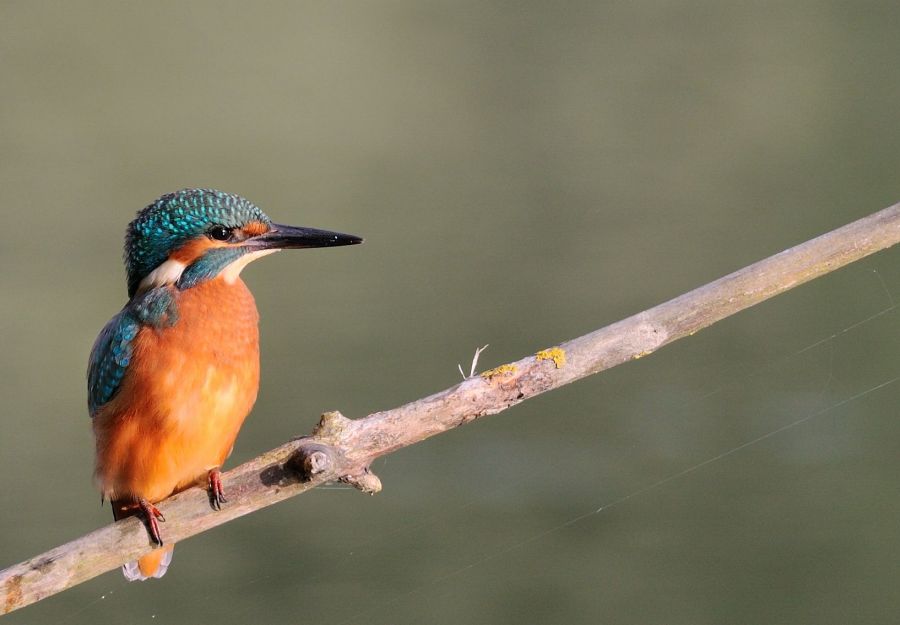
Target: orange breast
[184,396]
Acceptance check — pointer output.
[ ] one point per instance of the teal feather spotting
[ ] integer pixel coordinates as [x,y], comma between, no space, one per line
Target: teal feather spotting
[176,218]
[155,307]
[109,359]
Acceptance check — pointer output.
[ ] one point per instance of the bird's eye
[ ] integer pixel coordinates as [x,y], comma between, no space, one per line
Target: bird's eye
[219,233]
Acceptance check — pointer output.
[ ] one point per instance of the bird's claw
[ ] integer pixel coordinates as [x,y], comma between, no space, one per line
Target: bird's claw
[152,517]
[216,492]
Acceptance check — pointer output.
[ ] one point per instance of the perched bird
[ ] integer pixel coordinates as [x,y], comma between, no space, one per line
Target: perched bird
[173,375]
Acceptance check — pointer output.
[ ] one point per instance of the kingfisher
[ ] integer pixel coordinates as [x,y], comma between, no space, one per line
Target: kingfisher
[173,375]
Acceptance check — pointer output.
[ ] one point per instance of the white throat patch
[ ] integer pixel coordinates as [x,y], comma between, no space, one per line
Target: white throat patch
[167,273]
[232,271]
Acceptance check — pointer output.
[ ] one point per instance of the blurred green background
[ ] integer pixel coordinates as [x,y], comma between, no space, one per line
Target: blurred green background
[523,172]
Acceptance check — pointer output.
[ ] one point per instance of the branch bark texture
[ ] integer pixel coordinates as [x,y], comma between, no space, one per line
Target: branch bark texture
[343,449]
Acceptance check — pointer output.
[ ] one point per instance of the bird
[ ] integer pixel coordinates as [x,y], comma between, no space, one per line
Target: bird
[173,375]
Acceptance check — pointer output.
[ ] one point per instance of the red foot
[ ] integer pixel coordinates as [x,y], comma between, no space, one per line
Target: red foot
[214,485]
[151,516]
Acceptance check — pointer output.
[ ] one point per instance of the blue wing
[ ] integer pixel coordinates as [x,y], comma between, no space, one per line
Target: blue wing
[110,358]
[113,349]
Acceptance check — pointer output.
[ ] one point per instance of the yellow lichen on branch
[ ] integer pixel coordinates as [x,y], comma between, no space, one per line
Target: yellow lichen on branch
[556,354]
[502,370]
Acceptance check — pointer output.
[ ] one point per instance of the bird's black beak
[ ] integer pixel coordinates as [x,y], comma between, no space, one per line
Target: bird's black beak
[281,237]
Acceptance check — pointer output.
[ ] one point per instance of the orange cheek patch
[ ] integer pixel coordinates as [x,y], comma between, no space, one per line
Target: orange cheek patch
[194,249]
[255,228]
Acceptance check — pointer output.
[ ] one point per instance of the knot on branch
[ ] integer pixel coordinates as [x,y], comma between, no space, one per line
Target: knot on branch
[312,459]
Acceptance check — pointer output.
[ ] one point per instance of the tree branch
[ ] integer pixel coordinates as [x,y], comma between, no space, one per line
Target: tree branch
[343,449]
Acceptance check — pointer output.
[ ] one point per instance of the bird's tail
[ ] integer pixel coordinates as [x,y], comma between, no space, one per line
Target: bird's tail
[155,563]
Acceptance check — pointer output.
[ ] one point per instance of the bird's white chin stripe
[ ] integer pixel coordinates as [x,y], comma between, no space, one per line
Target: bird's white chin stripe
[232,271]
[167,273]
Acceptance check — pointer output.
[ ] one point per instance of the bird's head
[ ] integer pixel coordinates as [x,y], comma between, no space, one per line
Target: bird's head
[194,235]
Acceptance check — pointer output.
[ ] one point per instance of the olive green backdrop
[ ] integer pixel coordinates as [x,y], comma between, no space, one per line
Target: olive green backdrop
[523,173]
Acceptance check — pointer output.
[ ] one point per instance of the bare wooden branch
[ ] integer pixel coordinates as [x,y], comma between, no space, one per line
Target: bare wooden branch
[343,449]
